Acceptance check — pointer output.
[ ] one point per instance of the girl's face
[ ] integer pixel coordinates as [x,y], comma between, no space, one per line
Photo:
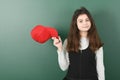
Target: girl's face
[83,23]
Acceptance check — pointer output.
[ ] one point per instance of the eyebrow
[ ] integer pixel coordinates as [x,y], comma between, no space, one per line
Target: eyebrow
[82,19]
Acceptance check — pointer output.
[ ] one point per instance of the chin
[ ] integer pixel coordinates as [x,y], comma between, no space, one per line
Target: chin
[85,30]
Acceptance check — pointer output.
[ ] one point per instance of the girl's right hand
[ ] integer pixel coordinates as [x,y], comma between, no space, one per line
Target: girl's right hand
[57,43]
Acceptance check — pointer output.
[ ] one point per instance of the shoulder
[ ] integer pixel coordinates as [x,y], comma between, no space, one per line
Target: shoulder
[99,51]
[101,48]
[65,43]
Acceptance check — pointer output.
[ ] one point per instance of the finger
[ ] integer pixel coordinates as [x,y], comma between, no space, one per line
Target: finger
[53,38]
[59,38]
[58,42]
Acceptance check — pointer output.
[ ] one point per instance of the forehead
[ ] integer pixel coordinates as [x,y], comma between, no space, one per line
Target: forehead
[82,16]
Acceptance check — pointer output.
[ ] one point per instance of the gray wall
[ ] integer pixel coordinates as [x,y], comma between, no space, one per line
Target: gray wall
[21,58]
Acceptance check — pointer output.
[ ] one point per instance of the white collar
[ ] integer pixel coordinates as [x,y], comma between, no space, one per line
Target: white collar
[84,43]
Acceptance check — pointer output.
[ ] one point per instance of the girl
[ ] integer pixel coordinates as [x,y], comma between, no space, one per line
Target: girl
[82,51]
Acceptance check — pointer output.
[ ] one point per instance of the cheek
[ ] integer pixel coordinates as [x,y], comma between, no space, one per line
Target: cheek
[89,25]
[79,25]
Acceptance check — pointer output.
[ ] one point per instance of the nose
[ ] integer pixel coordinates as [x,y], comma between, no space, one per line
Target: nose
[85,22]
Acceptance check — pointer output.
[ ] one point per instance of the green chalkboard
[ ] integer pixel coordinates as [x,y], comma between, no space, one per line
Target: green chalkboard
[21,58]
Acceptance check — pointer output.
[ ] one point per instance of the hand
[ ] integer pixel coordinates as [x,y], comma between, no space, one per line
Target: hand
[57,42]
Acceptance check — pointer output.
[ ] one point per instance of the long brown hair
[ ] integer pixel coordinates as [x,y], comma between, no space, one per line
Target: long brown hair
[73,39]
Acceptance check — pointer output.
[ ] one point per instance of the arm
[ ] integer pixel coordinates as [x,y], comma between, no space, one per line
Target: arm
[100,64]
[63,59]
[62,53]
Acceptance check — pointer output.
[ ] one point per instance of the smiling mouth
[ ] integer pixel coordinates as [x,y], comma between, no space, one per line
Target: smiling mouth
[85,27]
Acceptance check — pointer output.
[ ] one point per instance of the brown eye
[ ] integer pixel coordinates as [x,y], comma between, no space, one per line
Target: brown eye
[80,21]
[87,20]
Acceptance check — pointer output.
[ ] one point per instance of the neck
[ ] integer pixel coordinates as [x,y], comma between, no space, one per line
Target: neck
[83,34]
